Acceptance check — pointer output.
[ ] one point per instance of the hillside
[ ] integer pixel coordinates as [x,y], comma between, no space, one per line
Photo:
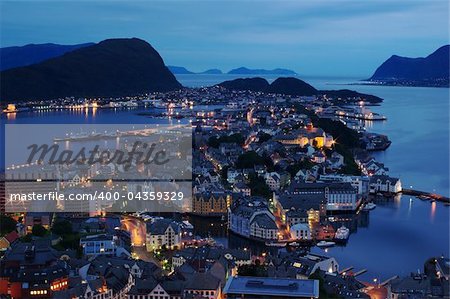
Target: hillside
[114,67]
[11,57]
[432,69]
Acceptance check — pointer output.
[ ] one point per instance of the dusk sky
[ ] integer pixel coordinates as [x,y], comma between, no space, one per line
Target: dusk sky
[348,38]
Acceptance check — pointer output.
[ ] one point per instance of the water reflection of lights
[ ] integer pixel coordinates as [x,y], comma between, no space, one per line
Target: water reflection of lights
[433,211]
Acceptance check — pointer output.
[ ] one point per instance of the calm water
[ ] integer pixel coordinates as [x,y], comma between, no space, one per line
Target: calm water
[400,234]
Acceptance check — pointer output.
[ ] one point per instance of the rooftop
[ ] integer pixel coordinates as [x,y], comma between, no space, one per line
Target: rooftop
[293,288]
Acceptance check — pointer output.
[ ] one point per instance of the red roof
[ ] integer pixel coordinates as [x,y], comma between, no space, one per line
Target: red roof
[12,236]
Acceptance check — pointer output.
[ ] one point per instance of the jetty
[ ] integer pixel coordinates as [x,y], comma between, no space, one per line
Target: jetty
[426,195]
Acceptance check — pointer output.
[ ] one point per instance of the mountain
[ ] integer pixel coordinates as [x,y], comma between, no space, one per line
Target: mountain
[292,86]
[246,71]
[212,72]
[289,85]
[253,84]
[179,70]
[11,57]
[113,67]
[433,68]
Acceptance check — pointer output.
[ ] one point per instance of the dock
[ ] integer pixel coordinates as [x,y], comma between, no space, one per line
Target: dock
[360,272]
[426,195]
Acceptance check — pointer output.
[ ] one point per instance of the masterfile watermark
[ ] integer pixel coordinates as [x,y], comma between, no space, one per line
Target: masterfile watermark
[91,168]
[141,152]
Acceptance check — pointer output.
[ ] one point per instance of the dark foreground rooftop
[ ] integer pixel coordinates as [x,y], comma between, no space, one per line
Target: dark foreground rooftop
[268,287]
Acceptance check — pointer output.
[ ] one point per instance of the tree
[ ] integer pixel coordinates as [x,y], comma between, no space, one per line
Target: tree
[38,230]
[7,224]
[252,270]
[62,227]
[249,160]
[258,186]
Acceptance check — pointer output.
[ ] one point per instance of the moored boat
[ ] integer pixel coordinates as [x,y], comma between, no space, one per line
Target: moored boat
[369,206]
[324,244]
[342,234]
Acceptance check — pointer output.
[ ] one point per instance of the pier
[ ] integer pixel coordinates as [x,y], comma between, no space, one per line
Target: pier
[426,195]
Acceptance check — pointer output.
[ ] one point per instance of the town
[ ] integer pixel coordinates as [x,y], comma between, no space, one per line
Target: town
[287,173]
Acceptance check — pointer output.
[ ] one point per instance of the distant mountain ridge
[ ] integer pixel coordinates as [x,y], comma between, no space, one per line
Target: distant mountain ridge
[433,69]
[12,57]
[180,70]
[113,67]
[247,71]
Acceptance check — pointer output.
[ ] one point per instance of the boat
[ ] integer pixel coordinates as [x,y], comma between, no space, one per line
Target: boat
[276,244]
[342,234]
[324,244]
[369,206]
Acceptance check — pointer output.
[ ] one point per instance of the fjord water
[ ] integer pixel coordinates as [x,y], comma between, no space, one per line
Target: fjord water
[400,234]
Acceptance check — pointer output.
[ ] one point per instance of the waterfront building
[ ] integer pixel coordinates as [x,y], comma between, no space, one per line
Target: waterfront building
[443,267]
[361,183]
[163,233]
[300,231]
[339,196]
[384,183]
[300,208]
[251,218]
[267,287]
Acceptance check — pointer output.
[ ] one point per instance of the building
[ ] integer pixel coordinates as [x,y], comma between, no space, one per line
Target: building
[7,240]
[203,285]
[213,203]
[339,196]
[241,187]
[32,270]
[309,136]
[38,218]
[273,180]
[418,286]
[99,245]
[443,268]
[301,208]
[163,233]
[361,183]
[251,218]
[300,231]
[384,183]
[299,266]
[267,287]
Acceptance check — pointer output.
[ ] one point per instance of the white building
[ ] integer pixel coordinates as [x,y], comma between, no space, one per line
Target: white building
[99,245]
[163,233]
[384,183]
[300,231]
